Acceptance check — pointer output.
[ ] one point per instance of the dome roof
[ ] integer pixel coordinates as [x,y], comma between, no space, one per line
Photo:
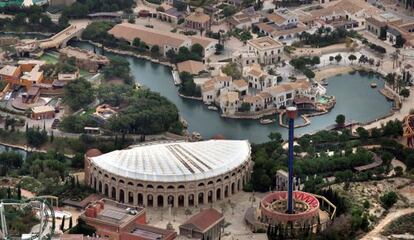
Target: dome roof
[93,152]
[175,161]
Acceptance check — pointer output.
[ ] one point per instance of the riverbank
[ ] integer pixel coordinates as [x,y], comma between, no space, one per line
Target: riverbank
[331,71]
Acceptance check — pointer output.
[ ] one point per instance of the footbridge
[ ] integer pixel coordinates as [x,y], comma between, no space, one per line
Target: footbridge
[61,39]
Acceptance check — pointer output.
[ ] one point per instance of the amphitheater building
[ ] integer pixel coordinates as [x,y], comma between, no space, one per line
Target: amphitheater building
[177,174]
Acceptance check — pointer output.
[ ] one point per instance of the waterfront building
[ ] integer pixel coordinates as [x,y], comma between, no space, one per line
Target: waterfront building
[43,112]
[198,20]
[179,174]
[284,94]
[229,102]
[207,224]
[165,40]
[268,50]
[255,102]
[257,78]
[208,44]
[191,66]
[113,220]
[84,59]
[209,91]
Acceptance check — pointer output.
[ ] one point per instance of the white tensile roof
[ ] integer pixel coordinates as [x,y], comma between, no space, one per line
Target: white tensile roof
[176,161]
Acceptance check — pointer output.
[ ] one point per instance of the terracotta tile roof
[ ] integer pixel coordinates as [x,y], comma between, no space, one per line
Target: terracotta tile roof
[224,78]
[240,83]
[203,41]
[265,43]
[8,70]
[288,87]
[230,97]
[150,36]
[376,22]
[93,152]
[208,85]
[191,66]
[276,18]
[265,95]
[252,99]
[205,219]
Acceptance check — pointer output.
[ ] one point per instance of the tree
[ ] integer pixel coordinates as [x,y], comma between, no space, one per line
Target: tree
[231,69]
[338,58]
[198,50]
[155,50]
[136,42]
[188,87]
[405,93]
[388,199]
[340,120]
[331,58]
[78,93]
[118,68]
[245,107]
[352,58]
[362,133]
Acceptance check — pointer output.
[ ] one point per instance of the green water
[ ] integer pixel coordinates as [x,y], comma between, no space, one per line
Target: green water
[354,96]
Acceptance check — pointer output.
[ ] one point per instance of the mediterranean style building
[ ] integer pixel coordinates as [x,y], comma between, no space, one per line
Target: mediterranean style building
[177,174]
[267,50]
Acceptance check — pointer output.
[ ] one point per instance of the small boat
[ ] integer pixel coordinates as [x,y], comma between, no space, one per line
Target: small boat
[324,83]
[213,108]
[266,121]
[196,136]
[373,85]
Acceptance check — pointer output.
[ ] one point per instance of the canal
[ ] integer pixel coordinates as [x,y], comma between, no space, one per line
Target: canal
[355,99]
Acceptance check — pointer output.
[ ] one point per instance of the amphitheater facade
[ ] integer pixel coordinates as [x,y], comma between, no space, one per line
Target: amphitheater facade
[177,174]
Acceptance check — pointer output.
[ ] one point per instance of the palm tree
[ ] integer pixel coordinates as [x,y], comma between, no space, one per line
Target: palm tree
[390,79]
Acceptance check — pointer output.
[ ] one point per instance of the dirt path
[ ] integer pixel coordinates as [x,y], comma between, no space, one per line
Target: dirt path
[376,232]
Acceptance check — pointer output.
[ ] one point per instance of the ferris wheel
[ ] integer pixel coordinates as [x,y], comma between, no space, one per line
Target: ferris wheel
[39,208]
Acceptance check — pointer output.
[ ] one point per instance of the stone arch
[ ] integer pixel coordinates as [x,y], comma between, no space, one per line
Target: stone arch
[150,200]
[140,185]
[100,172]
[106,176]
[233,174]
[160,187]
[218,194]
[171,187]
[160,201]
[226,177]
[181,187]
[210,196]
[121,181]
[150,186]
[100,187]
[113,193]
[121,196]
[181,200]
[201,198]
[170,200]
[238,184]
[106,190]
[210,183]
[130,184]
[94,182]
[218,180]
[233,188]
[130,197]
[113,179]
[191,200]
[201,184]
[140,199]
[226,191]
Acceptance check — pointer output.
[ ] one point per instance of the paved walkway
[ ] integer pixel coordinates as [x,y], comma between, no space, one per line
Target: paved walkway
[376,232]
